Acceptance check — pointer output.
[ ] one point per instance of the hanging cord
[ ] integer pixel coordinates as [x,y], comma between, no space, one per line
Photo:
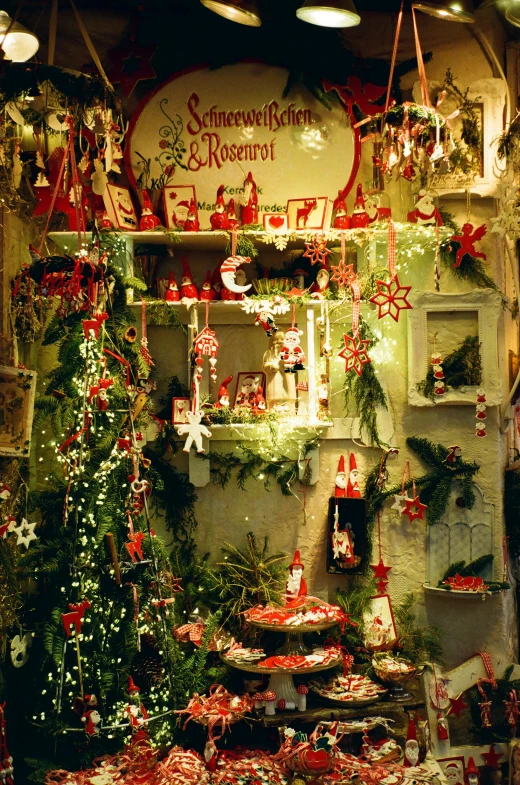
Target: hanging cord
[53,25]
[91,48]
[420,65]
[394,57]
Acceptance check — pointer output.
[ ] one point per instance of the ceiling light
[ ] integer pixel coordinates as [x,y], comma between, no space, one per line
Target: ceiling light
[512,14]
[19,45]
[451,10]
[244,12]
[329,13]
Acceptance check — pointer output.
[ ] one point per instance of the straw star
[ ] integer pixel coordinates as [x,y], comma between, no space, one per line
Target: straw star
[29,536]
[317,250]
[391,298]
[343,274]
[414,509]
[355,354]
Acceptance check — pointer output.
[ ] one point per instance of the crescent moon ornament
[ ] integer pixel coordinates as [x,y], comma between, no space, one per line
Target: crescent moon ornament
[228,270]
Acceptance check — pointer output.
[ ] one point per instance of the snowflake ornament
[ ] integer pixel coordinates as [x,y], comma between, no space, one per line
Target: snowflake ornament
[391,298]
[343,274]
[317,250]
[25,533]
[279,240]
[355,353]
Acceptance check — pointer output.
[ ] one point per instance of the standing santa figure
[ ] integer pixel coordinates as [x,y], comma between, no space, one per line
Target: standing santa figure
[292,353]
[426,212]
[411,748]
[136,712]
[148,221]
[339,209]
[250,202]
[188,288]
[353,491]
[191,223]
[341,479]
[342,546]
[231,214]
[219,219]
[296,587]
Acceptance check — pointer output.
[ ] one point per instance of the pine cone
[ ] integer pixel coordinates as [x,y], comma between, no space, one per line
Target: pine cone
[148,667]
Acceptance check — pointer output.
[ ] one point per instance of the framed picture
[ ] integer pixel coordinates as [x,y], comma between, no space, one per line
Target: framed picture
[453,769]
[347,535]
[443,324]
[307,213]
[250,390]
[380,632]
[177,200]
[17,389]
[120,208]
[276,222]
[179,408]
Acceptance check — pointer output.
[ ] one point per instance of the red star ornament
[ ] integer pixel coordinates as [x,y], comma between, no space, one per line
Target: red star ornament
[414,509]
[317,250]
[457,706]
[355,354]
[492,757]
[381,570]
[381,586]
[131,63]
[391,298]
[343,274]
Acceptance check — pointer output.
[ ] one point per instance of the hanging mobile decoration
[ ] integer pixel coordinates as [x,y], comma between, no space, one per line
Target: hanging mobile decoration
[511,710]
[316,251]
[380,569]
[480,413]
[145,354]
[206,344]
[439,387]
[391,297]
[355,351]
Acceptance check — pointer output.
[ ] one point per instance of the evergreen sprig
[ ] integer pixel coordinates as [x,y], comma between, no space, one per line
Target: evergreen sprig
[415,643]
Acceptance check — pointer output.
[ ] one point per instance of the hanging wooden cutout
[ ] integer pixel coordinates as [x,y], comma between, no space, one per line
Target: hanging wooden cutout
[347,537]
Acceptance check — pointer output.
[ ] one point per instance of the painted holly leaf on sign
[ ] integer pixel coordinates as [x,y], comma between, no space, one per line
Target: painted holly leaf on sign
[391,298]
[355,353]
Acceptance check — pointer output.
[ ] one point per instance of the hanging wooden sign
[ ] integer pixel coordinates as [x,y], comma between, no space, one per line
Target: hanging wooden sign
[209,128]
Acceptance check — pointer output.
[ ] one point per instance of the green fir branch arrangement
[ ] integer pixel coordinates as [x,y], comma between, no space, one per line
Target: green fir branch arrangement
[473,569]
[245,246]
[461,368]
[355,600]
[415,643]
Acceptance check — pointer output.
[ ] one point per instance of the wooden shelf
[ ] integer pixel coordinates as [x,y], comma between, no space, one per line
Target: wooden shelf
[228,312]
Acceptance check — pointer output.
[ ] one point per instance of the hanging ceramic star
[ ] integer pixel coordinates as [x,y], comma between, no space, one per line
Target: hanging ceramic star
[414,509]
[380,570]
[457,706]
[355,353]
[343,274]
[131,64]
[492,757]
[400,502]
[317,250]
[391,298]
[28,528]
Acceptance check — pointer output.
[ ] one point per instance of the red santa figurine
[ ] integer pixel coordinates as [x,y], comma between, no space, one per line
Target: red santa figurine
[219,219]
[250,202]
[353,491]
[148,221]
[341,219]
[426,212]
[359,218]
[91,716]
[296,587]
[207,291]
[231,214]
[223,394]
[172,294]
[292,353]
[265,319]
[247,395]
[188,289]
[411,747]
[191,223]
[341,480]
[136,712]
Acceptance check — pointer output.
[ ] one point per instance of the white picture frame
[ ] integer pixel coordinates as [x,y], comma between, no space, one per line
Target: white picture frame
[120,208]
[173,195]
[486,303]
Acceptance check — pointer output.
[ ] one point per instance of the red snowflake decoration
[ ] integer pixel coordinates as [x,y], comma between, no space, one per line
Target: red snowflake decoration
[343,274]
[355,353]
[317,250]
[391,298]
[414,509]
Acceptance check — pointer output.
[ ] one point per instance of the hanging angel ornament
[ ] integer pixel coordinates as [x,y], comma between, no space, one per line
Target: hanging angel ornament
[467,241]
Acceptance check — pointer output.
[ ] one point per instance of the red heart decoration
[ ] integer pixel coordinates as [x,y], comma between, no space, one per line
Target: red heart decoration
[276,221]
[316,760]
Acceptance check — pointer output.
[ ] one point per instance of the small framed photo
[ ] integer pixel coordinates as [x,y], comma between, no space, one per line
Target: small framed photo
[120,208]
[250,390]
[17,389]
[177,200]
[453,769]
[276,222]
[179,408]
[307,213]
[379,624]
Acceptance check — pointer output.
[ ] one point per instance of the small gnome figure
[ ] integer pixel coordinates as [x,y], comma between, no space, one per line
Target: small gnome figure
[426,212]
[231,215]
[207,291]
[411,747]
[191,223]
[148,221]
[260,405]
[296,587]
[91,716]
[219,219]
[442,727]
[104,222]
[223,394]
[454,454]
[249,212]
[292,353]
[472,776]
[216,280]
[172,294]
[339,208]
[136,712]
[341,479]
[353,491]
[359,218]
[188,289]
[265,318]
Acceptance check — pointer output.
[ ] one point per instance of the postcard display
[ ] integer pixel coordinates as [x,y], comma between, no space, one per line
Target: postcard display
[300,262]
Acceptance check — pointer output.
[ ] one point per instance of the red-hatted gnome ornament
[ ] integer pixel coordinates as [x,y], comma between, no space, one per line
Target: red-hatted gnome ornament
[136,712]
[341,479]
[172,294]
[292,353]
[148,221]
[249,213]
[359,219]
[353,491]
[339,208]
[207,291]
[223,394]
[188,289]
[191,224]
[231,214]
[296,587]
[219,219]
[472,776]
[411,747]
